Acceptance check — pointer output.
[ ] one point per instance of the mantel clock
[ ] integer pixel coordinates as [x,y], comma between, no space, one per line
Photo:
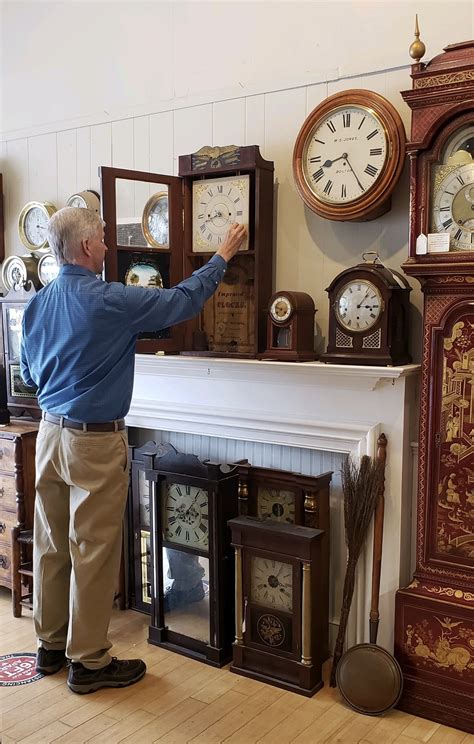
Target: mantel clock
[290,327]
[434,627]
[192,559]
[180,222]
[278,619]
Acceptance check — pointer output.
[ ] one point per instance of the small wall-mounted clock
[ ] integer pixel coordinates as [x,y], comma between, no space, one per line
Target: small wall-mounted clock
[20,273]
[87,199]
[349,155]
[278,593]
[32,224]
[48,268]
[368,316]
[155,220]
[290,327]
[291,498]
[192,601]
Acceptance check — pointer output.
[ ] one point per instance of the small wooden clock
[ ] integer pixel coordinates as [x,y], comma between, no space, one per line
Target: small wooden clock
[192,558]
[290,327]
[368,316]
[278,593]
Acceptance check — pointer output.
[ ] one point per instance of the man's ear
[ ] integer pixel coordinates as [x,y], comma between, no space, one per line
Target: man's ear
[85,247]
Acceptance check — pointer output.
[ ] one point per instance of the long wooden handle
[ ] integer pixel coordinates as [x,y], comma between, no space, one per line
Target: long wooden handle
[378,537]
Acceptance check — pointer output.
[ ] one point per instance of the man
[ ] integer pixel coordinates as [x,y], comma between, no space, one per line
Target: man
[78,347]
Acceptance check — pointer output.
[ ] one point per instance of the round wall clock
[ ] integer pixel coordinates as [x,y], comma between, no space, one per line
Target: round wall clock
[349,155]
[155,220]
[48,268]
[32,224]
[19,271]
[87,199]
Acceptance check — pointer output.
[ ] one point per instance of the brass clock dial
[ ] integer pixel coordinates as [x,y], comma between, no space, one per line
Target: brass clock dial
[277,504]
[155,220]
[358,305]
[272,583]
[349,156]
[217,203]
[87,199]
[33,223]
[185,515]
[280,309]
[271,630]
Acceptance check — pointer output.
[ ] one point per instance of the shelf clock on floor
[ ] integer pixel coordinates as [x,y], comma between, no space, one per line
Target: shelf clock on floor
[434,627]
[278,584]
[193,568]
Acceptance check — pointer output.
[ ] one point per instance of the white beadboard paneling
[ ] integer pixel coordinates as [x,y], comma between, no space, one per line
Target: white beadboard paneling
[161,144]
[315,94]
[101,154]
[141,160]
[122,157]
[67,165]
[15,184]
[255,122]
[42,172]
[83,157]
[192,130]
[228,122]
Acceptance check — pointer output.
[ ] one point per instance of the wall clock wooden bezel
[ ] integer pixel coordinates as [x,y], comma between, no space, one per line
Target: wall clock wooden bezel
[278,641]
[434,622]
[380,335]
[342,117]
[217,485]
[290,327]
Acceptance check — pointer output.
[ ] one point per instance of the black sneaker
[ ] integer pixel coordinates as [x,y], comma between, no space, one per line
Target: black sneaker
[116,674]
[50,661]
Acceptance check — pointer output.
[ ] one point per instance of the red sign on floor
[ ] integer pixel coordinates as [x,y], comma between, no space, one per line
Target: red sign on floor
[18,669]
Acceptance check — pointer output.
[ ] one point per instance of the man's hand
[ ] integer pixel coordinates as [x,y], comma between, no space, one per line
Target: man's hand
[236,235]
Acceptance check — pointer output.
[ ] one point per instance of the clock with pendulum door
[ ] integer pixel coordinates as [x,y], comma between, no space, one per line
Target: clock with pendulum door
[192,584]
[434,627]
[290,327]
[278,616]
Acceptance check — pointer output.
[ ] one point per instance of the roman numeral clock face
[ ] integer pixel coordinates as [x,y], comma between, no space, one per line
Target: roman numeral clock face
[345,155]
[358,306]
[185,515]
[453,207]
[217,203]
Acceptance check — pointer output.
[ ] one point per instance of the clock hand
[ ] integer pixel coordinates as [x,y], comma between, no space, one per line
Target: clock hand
[328,163]
[352,169]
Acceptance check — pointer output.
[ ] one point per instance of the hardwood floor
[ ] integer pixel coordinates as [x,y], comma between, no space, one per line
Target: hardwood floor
[181,700]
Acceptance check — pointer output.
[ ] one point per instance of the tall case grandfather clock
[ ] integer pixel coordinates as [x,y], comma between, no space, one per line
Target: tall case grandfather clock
[434,631]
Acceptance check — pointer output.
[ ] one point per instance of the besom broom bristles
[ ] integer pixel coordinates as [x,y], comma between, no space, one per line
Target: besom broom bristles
[361,485]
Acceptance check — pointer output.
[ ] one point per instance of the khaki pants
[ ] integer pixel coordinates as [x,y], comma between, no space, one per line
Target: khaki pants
[81,491]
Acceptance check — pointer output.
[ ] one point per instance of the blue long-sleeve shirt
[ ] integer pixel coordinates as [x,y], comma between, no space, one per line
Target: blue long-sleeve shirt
[79,334]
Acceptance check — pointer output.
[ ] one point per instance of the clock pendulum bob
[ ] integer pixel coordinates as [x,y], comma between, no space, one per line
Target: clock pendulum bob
[434,614]
[278,590]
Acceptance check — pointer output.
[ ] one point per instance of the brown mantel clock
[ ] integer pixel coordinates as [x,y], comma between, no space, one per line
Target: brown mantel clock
[278,618]
[290,327]
[368,315]
[159,229]
[434,627]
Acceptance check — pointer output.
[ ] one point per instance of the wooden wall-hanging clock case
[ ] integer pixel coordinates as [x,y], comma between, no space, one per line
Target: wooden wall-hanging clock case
[182,221]
[368,316]
[292,498]
[349,155]
[191,502]
[278,618]
[290,327]
[434,626]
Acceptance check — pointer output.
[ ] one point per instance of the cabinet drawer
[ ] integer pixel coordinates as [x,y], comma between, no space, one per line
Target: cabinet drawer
[8,493]
[8,520]
[5,563]
[7,455]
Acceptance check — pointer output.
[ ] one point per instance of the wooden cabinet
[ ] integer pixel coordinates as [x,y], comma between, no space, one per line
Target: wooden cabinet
[17,489]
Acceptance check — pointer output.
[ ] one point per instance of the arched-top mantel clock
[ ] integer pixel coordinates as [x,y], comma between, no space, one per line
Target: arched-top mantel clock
[434,631]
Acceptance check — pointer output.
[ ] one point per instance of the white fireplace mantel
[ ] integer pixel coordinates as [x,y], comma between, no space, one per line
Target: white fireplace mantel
[311,405]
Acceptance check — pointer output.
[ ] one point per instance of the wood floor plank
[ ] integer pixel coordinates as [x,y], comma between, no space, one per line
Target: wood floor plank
[326,726]
[389,727]
[285,705]
[166,722]
[47,734]
[211,713]
[288,729]
[353,731]
[447,735]
[89,728]
[421,729]
[124,727]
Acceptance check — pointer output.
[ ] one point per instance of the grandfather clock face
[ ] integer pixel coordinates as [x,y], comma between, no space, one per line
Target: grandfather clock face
[278,504]
[185,515]
[271,583]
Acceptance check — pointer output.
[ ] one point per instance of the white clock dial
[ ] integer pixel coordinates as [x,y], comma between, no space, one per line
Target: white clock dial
[33,223]
[276,504]
[271,583]
[345,154]
[185,515]
[48,269]
[358,305]
[280,309]
[155,221]
[453,207]
[84,200]
[217,203]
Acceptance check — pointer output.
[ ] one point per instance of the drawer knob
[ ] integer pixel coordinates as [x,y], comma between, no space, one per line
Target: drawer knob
[3,528]
[4,561]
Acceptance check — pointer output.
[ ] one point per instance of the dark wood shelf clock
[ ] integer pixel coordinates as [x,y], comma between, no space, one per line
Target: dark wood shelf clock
[178,223]
[434,625]
[290,327]
[291,498]
[278,587]
[368,316]
[192,558]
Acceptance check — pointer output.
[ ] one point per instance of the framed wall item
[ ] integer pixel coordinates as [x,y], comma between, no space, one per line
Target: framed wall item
[434,626]
[278,588]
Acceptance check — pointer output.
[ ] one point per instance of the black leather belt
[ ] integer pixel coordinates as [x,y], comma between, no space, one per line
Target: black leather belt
[117,425]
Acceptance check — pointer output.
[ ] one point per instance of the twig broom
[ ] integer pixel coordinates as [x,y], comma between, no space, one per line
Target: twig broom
[361,485]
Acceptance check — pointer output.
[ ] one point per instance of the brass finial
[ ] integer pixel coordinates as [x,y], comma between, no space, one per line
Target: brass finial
[417,48]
